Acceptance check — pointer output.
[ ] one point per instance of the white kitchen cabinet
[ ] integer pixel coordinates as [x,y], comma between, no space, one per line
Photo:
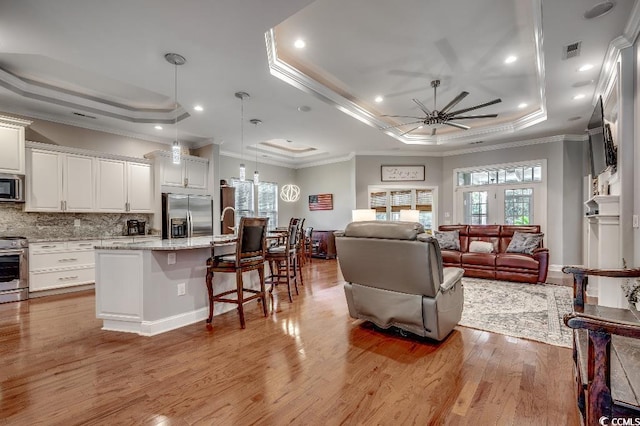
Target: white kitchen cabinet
[111,186]
[139,187]
[196,172]
[124,186]
[191,173]
[44,181]
[12,145]
[58,265]
[59,182]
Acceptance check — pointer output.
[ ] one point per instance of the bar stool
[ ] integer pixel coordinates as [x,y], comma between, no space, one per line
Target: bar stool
[282,262]
[249,256]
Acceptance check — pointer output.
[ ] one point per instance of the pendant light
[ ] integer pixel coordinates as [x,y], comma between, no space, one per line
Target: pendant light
[175,59]
[242,96]
[256,174]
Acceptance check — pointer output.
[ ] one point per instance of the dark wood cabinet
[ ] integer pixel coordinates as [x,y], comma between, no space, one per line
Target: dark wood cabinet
[323,244]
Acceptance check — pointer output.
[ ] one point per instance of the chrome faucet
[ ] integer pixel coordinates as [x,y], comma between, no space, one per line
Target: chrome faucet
[233,228]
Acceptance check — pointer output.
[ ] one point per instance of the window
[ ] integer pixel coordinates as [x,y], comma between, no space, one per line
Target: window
[251,199]
[501,175]
[512,194]
[518,206]
[388,202]
[475,207]
[268,203]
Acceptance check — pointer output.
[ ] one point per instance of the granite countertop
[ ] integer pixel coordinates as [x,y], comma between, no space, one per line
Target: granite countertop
[98,238]
[174,244]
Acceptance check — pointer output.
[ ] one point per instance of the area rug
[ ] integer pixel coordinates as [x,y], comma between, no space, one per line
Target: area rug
[528,311]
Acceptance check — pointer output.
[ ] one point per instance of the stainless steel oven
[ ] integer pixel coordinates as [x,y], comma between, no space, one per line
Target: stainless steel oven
[12,188]
[14,269]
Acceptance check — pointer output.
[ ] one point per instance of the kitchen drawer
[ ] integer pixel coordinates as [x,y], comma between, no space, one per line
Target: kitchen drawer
[82,245]
[59,279]
[38,247]
[61,259]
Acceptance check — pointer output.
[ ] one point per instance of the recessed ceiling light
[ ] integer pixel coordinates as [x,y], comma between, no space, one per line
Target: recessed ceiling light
[158,127]
[198,108]
[522,105]
[379,99]
[304,108]
[579,96]
[599,10]
[510,59]
[299,43]
[585,67]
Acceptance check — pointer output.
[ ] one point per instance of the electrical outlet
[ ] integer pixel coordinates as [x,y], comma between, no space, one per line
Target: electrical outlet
[182,289]
[76,223]
[636,223]
[447,214]
[171,259]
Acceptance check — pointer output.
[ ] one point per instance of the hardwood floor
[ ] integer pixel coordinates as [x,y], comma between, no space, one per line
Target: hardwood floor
[307,363]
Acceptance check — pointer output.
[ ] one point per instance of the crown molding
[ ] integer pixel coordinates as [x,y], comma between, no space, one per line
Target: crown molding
[516,144]
[81,151]
[92,104]
[608,72]
[263,160]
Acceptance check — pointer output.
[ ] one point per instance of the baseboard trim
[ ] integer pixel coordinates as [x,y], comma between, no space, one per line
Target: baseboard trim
[64,290]
[152,328]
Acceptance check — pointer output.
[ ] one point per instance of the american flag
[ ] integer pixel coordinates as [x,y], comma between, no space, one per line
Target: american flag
[321,202]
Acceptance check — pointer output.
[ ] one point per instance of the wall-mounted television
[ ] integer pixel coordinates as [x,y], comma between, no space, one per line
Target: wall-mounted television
[602,152]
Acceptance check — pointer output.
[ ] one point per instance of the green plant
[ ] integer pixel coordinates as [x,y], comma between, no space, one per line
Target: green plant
[522,220]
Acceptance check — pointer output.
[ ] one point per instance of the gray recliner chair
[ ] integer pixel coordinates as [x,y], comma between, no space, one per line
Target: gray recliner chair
[395,278]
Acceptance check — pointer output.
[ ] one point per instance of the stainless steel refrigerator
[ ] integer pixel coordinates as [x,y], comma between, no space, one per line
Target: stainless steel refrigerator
[186,216]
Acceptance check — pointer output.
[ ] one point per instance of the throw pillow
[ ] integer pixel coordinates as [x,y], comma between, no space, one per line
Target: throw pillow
[448,240]
[480,247]
[524,242]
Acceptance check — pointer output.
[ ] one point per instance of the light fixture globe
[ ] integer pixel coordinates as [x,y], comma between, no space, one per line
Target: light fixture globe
[290,193]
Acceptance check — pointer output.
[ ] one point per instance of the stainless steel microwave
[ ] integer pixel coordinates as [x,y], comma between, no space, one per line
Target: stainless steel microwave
[12,188]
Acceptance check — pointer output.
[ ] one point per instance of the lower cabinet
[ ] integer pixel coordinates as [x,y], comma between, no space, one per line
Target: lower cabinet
[61,264]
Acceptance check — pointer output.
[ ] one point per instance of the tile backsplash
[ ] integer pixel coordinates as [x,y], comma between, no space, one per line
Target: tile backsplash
[14,221]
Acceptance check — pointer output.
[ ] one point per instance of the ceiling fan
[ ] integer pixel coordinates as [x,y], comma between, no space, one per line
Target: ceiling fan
[444,116]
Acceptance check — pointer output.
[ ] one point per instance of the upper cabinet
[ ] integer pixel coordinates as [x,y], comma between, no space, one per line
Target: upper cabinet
[190,176]
[60,180]
[12,148]
[124,186]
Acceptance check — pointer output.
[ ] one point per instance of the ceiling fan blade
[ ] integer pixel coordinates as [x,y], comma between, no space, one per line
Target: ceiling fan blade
[454,102]
[409,131]
[433,131]
[401,124]
[458,125]
[460,111]
[402,116]
[422,107]
[461,117]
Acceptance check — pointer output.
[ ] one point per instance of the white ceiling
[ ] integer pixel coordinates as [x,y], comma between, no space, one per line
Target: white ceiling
[106,60]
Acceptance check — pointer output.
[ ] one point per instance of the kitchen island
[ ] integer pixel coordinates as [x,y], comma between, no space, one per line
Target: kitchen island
[155,286]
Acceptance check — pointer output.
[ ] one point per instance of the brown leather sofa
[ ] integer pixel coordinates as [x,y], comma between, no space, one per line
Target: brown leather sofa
[499,264]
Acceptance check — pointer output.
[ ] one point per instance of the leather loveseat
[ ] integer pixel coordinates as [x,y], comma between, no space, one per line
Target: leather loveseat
[395,278]
[498,264]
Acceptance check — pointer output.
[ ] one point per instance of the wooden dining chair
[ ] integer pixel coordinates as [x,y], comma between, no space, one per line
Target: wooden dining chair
[249,256]
[283,262]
